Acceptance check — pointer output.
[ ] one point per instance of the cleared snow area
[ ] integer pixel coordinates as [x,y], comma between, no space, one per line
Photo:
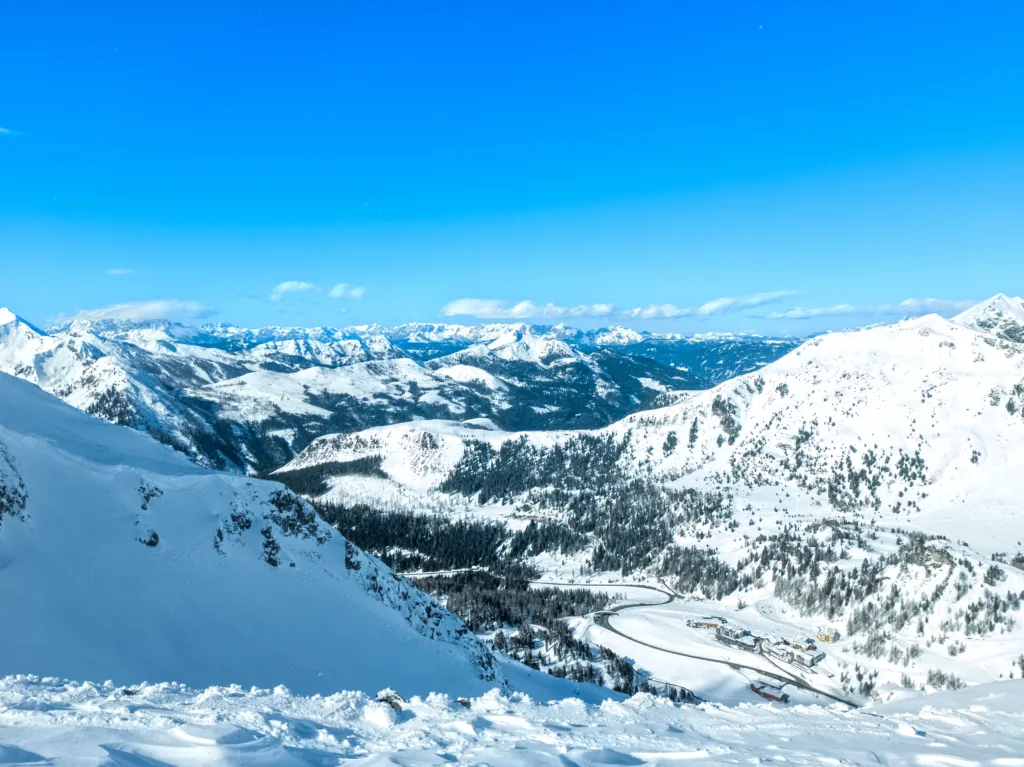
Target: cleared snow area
[52,722]
[470,374]
[650,383]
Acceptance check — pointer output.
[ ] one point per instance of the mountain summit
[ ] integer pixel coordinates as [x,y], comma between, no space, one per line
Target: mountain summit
[1001,315]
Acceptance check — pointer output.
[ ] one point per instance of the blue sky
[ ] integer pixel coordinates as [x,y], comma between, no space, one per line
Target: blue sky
[767,167]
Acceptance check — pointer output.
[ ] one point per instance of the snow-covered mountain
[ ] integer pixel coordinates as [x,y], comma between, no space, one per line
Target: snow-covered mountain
[248,399]
[866,479]
[711,357]
[1001,315]
[123,560]
[926,403]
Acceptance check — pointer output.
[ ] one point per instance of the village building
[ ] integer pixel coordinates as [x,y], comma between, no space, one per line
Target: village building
[769,691]
[741,639]
[707,622]
[804,644]
[826,634]
[790,654]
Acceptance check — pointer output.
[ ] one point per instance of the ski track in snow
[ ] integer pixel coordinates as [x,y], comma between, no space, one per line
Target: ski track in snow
[54,722]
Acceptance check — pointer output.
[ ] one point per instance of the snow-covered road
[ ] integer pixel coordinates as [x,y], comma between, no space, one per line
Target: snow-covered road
[640,633]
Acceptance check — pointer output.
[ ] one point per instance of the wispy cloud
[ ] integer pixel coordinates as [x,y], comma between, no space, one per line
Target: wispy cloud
[344,290]
[289,286]
[912,307]
[494,309]
[120,272]
[716,306]
[728,304]
[163,309]
[7,132]
[658,312]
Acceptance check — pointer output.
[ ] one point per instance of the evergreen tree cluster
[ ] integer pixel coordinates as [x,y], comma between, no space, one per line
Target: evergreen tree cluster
[629,521]
[112,405]
[529,625]
[312,481]
[489,602]
[406,540]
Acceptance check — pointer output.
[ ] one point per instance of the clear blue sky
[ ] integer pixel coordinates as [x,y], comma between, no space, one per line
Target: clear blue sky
[495,158]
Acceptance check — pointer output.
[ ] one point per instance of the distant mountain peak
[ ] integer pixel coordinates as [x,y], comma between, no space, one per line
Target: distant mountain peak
[1001,315]
[9,318]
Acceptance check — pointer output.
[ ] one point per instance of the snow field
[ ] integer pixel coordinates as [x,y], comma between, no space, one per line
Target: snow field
[54,722]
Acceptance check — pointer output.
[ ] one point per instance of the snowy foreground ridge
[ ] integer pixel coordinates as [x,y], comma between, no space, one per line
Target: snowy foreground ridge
[45,721]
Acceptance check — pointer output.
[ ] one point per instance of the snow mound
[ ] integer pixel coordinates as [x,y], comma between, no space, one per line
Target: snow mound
[45,720]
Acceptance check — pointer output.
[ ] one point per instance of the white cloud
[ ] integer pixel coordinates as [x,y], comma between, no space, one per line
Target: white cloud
[289,286]
[935,305]
[743,302]
[799,313]
[589,310]
[717,306]
[495,309]
[658,312]
[344,290]
[120,272]
[165,309]
[910,307]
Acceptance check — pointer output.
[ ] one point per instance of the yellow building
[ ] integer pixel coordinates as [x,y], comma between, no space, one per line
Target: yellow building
[828,635]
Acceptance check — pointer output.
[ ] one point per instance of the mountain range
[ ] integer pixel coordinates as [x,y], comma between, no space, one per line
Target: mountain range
[249,400]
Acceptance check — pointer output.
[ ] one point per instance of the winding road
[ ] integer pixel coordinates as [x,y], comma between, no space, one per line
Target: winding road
[603,619]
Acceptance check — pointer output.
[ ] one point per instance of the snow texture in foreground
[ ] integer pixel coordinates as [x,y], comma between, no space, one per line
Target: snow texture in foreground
[45,721]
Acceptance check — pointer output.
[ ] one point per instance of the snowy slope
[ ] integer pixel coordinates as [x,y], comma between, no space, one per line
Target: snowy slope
[59,723]
[123,560]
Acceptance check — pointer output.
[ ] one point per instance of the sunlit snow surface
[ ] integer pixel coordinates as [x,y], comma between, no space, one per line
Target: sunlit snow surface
[61,723]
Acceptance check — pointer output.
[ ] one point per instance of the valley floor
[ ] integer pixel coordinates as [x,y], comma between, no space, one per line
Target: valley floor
[45,721]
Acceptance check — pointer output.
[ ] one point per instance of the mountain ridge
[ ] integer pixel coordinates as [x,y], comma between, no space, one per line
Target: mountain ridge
[195,388]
